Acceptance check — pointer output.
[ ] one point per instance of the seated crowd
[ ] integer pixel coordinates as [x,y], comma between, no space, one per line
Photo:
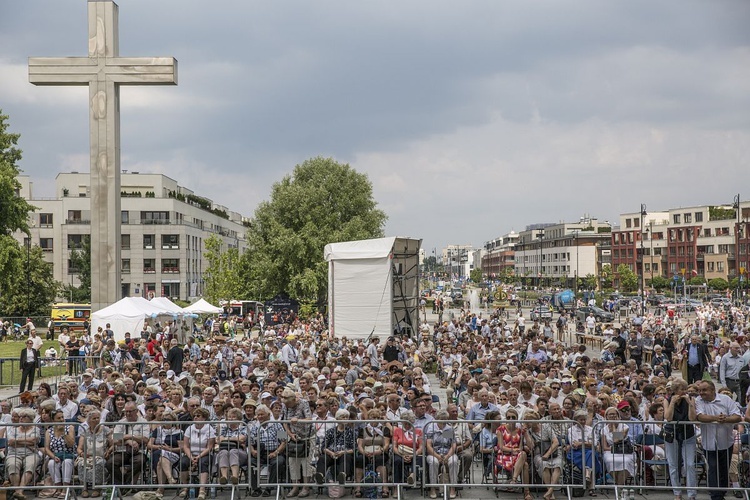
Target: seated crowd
[274,408]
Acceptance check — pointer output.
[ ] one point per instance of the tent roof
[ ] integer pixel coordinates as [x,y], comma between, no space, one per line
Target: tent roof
[166,304]
[130,307]
[362,249]
[203,307]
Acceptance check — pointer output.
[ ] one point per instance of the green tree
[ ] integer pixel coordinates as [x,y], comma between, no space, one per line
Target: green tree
[628,278]
[718,284]
[321,202]
[697,281]
[607,276]
[27,285]
[222,274]
[589,282]
[80,262]
[659,283]
[14,210]
[430,264]
[475,275]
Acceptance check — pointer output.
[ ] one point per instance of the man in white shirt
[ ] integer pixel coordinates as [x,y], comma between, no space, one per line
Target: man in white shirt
[720,412]
[372,352]
[290,352]
[512,403]
[36,339]
[65,404]
[63,339]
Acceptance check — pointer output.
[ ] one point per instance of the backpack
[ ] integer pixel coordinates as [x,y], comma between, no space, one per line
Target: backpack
[371,477]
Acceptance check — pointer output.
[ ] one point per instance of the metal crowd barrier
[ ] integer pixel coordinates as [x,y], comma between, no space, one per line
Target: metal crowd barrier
[678,459]
[493,464]
[54,368]
[120,457]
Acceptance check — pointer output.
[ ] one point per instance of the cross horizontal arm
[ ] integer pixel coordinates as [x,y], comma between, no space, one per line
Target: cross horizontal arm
[62,70]
[122,70]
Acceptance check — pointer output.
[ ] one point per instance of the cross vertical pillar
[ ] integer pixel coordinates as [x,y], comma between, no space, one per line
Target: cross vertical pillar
[104,71]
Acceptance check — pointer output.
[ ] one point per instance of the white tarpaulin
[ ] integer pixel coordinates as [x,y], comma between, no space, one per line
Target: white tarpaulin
[361,286]
[203,307]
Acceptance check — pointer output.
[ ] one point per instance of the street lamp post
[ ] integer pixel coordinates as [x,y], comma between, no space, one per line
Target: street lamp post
[28,276]
[643,275]
[651,250]
[736,206]
[540,234]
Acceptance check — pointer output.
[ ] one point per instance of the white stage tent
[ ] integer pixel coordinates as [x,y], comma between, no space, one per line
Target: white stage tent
[373,286]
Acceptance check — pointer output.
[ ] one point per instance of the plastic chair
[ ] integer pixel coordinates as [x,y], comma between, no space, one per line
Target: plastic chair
[652,440]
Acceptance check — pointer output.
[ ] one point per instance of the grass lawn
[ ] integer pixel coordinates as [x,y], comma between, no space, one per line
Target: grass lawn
[10,354]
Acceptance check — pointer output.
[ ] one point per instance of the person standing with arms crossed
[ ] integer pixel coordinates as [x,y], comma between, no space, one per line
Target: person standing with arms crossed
[718,413]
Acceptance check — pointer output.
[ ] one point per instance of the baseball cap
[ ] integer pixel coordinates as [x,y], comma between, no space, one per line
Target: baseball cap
[623,404]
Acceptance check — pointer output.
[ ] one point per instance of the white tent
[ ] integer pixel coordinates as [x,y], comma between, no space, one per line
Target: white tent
[127,315]
[203,307]
[167,305]
[373,286]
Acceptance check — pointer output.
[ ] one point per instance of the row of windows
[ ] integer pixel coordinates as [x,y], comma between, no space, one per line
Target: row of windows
[168,266]
[168,241]
[687,218]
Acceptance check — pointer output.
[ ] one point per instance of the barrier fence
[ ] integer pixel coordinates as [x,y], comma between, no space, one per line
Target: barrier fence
[290,457]
[674,450]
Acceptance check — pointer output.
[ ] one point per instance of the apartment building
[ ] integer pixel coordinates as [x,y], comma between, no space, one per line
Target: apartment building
[706,240]
[555,254]
[164,226]
[499,255]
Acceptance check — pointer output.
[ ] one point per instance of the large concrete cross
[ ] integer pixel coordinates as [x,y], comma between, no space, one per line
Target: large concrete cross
[104,71]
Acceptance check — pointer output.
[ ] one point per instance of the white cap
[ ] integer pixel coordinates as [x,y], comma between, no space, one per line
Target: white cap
[265,395]
[170,373]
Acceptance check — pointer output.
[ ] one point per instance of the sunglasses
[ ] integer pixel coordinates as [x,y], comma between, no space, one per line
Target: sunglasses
[555,388]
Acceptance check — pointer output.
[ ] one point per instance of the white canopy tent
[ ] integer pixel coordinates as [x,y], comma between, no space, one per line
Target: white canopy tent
[373,286]
[202,306]
[125,315]
[130,313]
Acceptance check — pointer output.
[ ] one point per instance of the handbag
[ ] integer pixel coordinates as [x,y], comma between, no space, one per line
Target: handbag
[667,433]
[296,449]
[624,447]
[404,450]
[374,449]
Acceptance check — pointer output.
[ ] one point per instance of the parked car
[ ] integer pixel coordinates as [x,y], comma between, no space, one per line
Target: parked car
[600,314]
[721,302]
[689,304]
[541,313]
[655,300]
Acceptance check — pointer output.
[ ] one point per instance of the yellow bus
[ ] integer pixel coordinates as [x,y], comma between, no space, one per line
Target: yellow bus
[71,316]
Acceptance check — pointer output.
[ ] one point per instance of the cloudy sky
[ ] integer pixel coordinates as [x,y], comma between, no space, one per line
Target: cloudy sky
[470,118]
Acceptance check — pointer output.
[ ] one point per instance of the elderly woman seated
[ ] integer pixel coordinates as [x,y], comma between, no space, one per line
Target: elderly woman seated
[232,446]
[22,457]
[441,453]
[93,450]
[59,448]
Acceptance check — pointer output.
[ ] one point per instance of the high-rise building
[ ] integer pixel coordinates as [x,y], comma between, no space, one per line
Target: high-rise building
[164,227]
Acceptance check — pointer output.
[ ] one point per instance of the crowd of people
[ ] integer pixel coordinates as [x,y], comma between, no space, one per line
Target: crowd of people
[295,405]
